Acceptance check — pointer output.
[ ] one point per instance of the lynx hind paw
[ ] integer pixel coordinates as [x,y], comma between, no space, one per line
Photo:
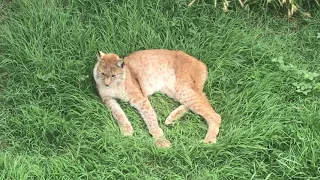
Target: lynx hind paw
[126,130]
[176,114]
[211,136]
[163,143]
[169,121]
[210,140]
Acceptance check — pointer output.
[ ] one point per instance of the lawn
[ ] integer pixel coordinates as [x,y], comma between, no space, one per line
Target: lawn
[263,81]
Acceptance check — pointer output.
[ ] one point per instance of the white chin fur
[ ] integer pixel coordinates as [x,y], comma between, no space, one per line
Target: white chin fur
[96,73]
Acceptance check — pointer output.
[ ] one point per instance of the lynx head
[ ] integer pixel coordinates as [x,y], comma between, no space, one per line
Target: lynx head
[109,69]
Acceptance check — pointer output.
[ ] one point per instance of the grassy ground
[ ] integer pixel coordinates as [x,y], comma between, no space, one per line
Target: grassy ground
[53,125]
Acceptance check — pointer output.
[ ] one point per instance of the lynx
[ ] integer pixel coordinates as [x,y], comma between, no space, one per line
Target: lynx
[140,74]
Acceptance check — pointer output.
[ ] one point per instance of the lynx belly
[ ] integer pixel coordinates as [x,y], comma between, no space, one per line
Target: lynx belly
[162,80]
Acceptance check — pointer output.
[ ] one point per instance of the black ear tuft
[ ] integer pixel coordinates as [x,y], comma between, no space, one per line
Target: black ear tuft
[98,53]
[120,63]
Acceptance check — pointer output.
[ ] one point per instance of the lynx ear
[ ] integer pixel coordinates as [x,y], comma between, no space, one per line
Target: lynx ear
[100,54]
[120,63]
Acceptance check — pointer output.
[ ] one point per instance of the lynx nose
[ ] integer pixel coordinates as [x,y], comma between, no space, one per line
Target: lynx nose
[107,81]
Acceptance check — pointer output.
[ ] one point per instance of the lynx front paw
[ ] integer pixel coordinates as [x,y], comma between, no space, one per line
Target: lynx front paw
[163,143]
[126,130]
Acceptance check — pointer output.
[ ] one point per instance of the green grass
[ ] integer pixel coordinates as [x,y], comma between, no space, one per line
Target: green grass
[53,125]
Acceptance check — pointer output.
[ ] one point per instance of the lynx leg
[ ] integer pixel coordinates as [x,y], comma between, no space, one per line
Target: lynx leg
[198,103]
[149,116]
[176,114]
[123,122]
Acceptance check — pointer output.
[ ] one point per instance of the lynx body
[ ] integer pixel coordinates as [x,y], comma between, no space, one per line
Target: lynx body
[140,74]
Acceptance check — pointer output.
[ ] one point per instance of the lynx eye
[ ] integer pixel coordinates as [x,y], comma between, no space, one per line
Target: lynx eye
[113,76]
[103,74]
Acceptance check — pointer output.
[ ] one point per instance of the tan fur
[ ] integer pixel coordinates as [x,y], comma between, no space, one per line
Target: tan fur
[174,73]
